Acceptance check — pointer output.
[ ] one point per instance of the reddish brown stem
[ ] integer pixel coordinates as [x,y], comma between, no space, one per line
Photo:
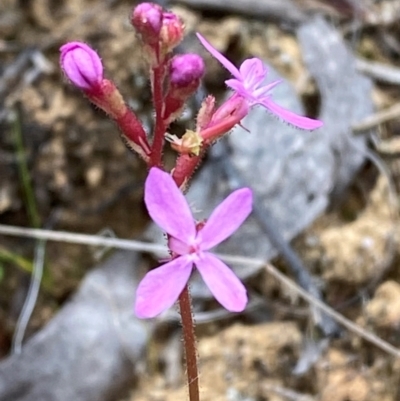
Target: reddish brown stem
[189,340]
[159,129]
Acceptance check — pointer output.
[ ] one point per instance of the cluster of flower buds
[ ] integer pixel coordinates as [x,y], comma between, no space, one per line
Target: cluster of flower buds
[159,31]
[174,78]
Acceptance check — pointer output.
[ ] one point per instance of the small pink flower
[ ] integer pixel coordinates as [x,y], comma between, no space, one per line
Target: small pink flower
[247,82]
[190,244]
[82,65]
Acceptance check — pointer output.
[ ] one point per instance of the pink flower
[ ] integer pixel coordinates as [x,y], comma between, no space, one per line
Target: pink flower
[82,65]
[247,82]
[190,244]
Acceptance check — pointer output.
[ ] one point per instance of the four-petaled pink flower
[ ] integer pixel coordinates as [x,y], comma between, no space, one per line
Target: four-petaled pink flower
[247,82]
[190,243]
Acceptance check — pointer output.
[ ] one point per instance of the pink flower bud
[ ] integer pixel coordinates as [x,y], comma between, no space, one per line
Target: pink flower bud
[82,65]
[147,20]
[171,31]
[186,69]
[185,73]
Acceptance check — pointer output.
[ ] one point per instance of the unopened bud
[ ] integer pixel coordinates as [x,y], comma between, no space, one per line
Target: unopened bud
[186,70]
[82,65]
[171,31]
[147,19]
[185,73]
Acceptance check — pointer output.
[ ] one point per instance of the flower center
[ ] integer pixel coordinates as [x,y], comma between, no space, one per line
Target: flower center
[194,248]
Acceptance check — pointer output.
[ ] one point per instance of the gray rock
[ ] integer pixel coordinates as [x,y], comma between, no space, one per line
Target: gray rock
[88,351]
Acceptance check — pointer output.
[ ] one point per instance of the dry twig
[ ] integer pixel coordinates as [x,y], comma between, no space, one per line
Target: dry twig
[381,72]
[380,117]
[157,249]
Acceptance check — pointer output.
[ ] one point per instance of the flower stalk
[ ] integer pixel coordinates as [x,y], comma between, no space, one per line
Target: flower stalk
[158,74]
[189,341]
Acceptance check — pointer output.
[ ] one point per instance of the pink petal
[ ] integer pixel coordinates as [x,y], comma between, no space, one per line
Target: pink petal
[253,96]
[161,287]
[226,218]
[167,206]
[253,72]
[239,88]
[290,117]
[177,246]
[222,282]
[222,59]
[263,90]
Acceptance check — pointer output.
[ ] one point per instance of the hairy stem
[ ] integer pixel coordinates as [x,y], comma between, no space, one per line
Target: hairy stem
[159,129]
[189,340]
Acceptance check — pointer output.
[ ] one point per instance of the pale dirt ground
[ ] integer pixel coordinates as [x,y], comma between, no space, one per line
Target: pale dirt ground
[78,165]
